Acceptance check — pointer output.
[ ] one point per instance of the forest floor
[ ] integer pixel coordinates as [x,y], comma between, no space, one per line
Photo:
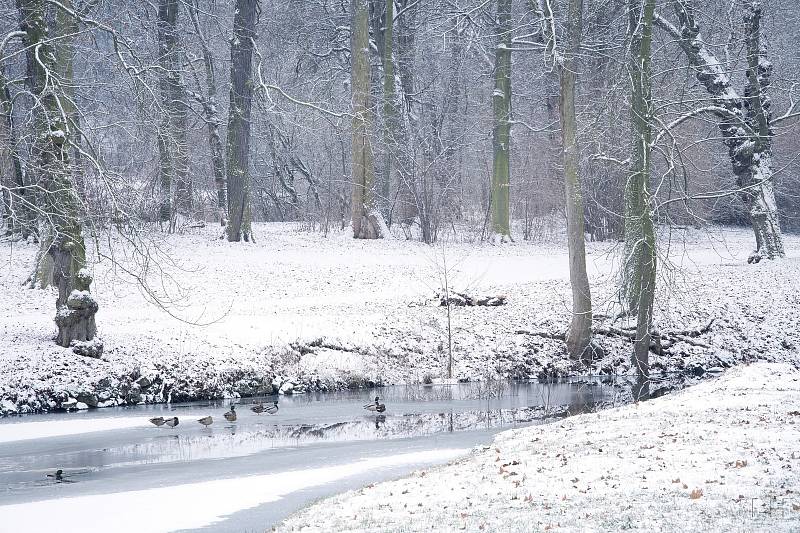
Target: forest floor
[298,310]
[721,456]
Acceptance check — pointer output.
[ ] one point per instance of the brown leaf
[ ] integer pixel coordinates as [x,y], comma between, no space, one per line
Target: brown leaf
[696,494]
[741,463]
[676,480]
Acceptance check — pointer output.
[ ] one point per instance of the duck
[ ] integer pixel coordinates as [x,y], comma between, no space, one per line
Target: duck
[377,406]
[158,421]
[172,422]
[258,408]
[58,475]
[206,421]
[272,409]
[230,416]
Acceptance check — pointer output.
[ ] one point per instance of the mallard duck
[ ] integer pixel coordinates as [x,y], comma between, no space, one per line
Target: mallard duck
[58,475]
[206,421]
[158,421]
[230,416]
[258,408]
[377,406]
[172,422]
[272,409]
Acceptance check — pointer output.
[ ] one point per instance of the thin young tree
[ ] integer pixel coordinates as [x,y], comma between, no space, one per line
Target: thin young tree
[212,116]
[579,335]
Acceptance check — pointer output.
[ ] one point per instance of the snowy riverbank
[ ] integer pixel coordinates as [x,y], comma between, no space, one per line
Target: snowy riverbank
[300,310]
[721,456]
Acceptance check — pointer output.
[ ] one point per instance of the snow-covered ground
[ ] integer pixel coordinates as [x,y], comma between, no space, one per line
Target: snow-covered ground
[299,308]
[721,456]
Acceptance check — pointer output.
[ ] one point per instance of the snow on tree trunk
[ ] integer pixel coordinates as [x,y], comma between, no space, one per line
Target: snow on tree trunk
[639,266]
[172,135]
[747,136]
[579,335]
[75,306]
[501,132]
[365,217]
[757,179]
[213,121]
[241,94]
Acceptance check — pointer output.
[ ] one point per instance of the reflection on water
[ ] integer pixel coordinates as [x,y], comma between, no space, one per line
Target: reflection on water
[309,420]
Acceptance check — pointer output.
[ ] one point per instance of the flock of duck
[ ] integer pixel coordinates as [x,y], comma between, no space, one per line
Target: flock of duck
[258,409]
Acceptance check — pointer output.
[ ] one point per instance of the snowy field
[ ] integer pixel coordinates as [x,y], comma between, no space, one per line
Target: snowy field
[721,457]
[298,309]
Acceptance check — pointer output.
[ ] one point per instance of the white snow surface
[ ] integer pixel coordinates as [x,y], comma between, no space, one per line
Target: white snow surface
[720,456]
[187,506]
[368,306]
[10,432]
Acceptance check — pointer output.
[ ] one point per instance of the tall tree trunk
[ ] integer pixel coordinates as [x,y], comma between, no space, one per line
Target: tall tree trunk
[640,241]
[167,49]
[16,211]
[747,137]
[211,111]
[365,217]
[501,133]
[238,152]
[757,180]
[75,306]
[579,335]
[452,128]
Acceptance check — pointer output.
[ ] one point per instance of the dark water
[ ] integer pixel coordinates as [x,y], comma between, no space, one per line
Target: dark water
[310,431]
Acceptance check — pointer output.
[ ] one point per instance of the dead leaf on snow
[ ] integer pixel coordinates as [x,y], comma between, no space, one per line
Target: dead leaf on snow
[676,480]
[696,494]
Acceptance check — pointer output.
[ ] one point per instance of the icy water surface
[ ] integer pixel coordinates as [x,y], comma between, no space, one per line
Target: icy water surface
[317,445]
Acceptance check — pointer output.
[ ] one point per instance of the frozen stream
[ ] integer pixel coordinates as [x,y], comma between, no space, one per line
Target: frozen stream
[123,474]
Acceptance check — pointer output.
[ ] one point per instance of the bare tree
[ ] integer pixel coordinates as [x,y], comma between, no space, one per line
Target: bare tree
[745,122]
[501,132]
[366,219]
[238,153]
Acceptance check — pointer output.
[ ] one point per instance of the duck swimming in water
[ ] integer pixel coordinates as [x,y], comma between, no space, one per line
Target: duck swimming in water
[158,421]
[206,421]
[172,422]
[377,406]
[272,409]
[258,408]
[230,416]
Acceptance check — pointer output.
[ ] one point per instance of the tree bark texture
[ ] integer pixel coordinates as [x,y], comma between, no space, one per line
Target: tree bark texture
[579,336]
[241,97]
[640,253]
[364,213]
[75,306]
[743,122]
[501,132]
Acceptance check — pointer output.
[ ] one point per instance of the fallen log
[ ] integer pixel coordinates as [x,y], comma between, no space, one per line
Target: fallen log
[461,299]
